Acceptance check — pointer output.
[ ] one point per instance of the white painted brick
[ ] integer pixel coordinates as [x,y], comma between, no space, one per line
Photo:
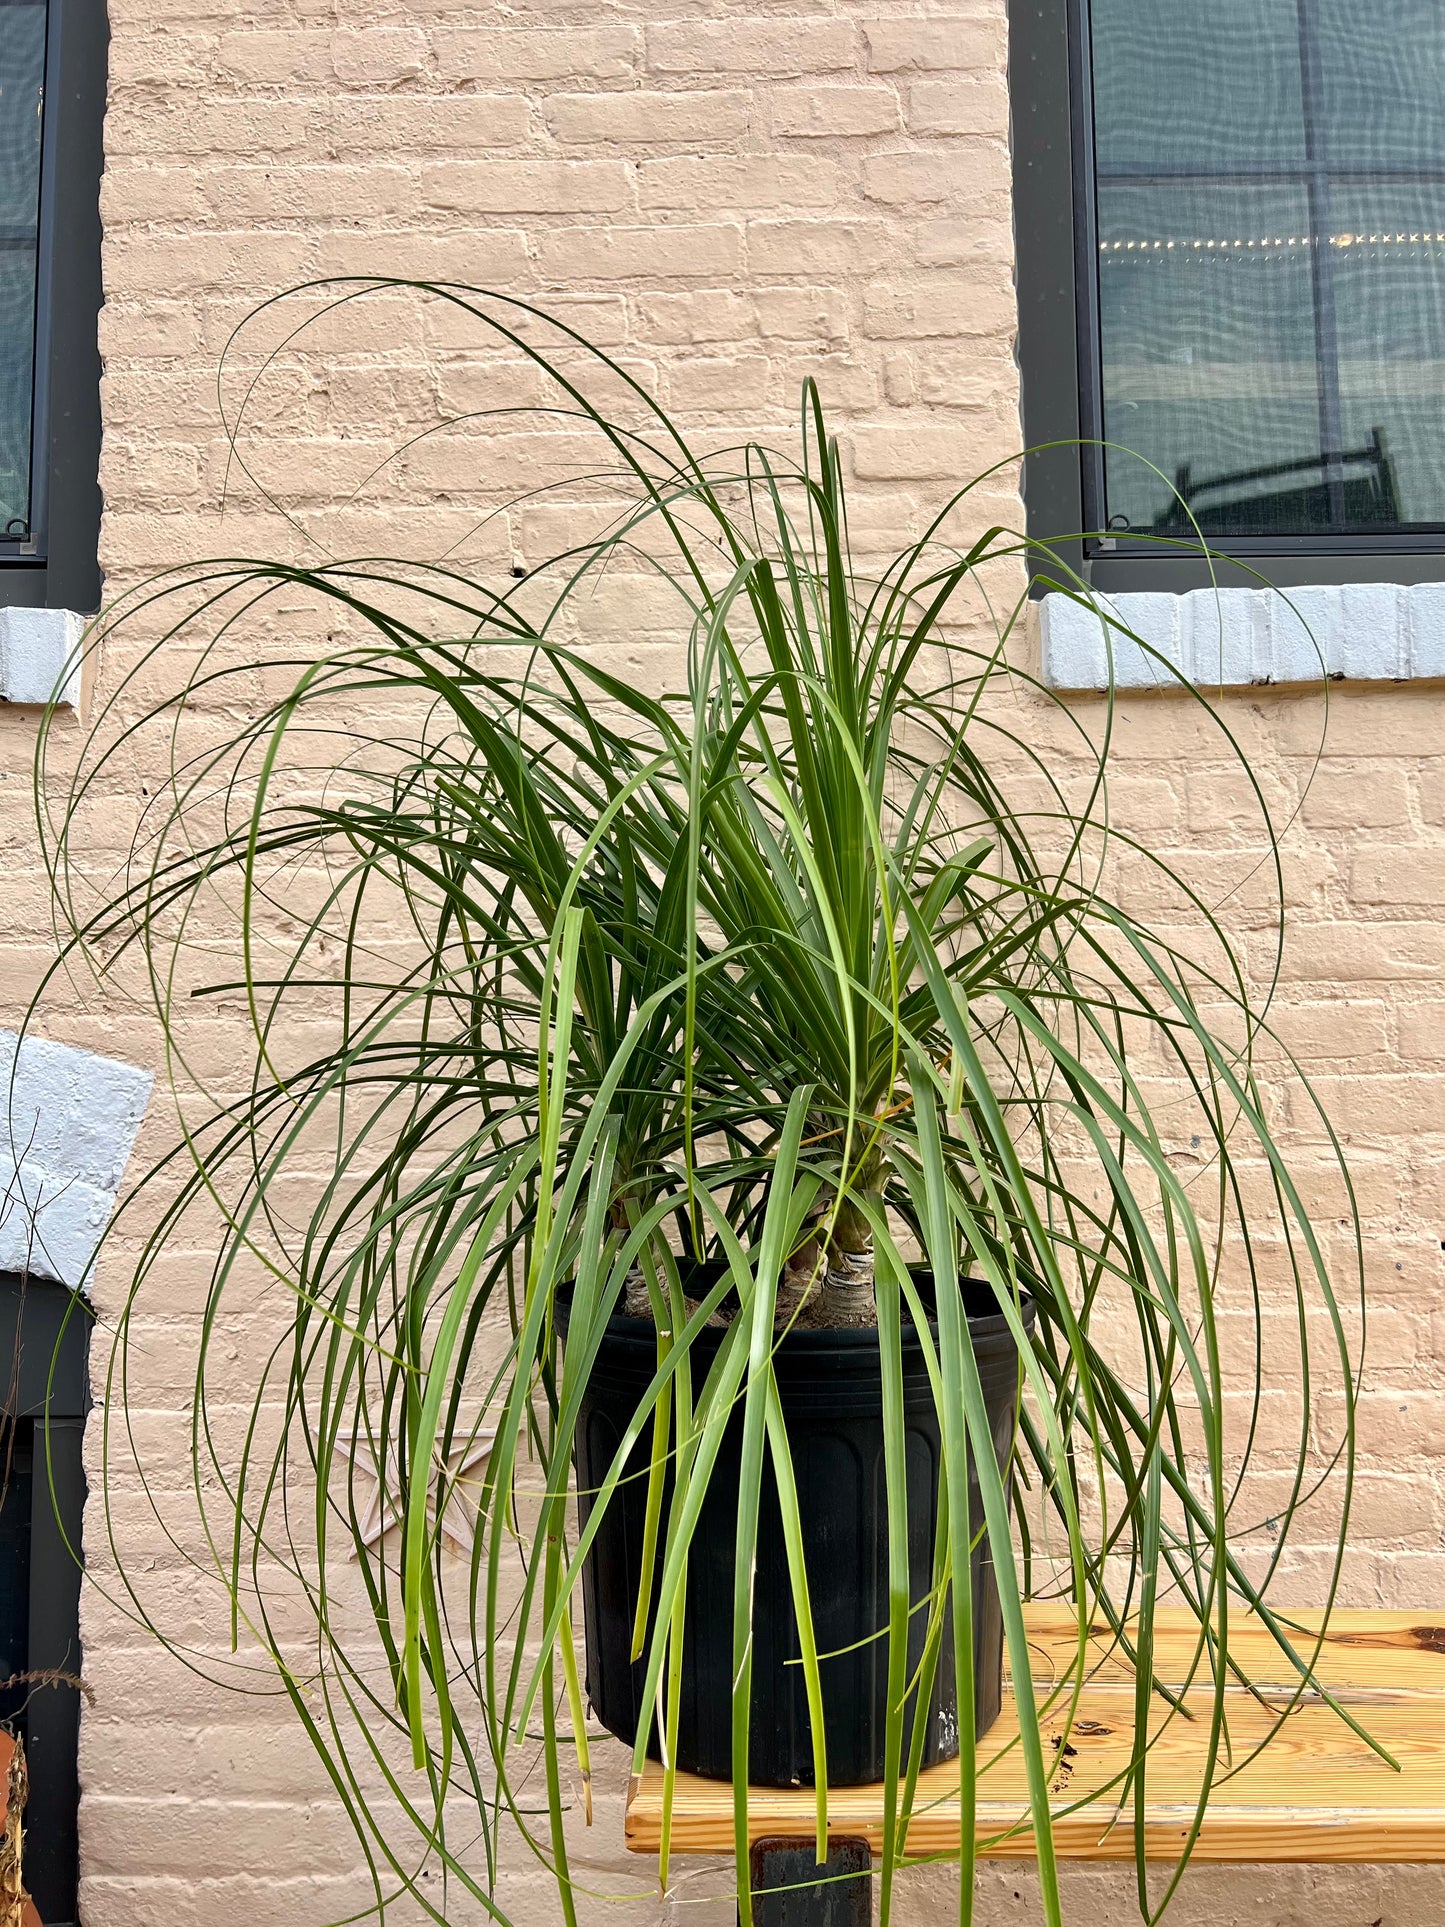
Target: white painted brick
[68,1119]
[38,650]
[1425,630]
[1161,627]
[1079,639]
[1370,637]
[1227,639]
[1301,620]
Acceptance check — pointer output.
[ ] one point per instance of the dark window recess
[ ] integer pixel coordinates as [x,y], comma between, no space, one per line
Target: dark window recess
[22,102]
[52,99]
[44,1333]
[1240,309]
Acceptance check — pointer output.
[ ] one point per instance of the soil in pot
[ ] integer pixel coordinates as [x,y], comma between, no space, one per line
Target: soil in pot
[831,1391]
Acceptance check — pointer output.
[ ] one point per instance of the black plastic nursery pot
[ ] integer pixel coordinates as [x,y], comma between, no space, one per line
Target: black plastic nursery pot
[830,1386]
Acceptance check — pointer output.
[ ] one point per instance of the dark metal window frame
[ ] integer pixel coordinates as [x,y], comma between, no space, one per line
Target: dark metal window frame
[1056,234]
[44,1376]
[58,566]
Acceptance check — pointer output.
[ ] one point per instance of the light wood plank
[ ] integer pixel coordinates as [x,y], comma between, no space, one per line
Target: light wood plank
[1316,1793]
[1366,1652]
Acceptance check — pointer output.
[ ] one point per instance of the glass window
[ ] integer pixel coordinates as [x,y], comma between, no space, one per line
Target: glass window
[1269,210]
[22,96]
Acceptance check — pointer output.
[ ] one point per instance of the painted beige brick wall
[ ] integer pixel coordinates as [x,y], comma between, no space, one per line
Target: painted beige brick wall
[728,196]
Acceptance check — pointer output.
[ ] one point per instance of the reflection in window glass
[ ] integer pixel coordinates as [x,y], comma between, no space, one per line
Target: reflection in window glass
[1171,90]
[1381,84]
[22,75]
[1270,200]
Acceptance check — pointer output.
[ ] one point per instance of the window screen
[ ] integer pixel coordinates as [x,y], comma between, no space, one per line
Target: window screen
[22,95]
[1269,226]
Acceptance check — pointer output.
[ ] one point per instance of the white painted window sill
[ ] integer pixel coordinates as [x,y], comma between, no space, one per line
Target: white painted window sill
[1372,632]
[40,656]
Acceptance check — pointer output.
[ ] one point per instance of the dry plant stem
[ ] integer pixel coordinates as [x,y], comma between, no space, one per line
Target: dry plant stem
[50,1676]
[12,1842]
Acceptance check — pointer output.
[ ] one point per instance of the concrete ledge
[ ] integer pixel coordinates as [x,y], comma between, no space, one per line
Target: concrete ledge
[1373,632]
[68,1119]
[37,648]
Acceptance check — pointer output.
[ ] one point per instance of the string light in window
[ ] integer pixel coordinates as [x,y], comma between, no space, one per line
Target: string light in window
[1272,243]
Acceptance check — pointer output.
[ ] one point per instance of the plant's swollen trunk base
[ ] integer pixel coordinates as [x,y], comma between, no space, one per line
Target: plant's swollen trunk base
[845,1296]
[635,1301]
[836,1299]
[831,1299]
[797,1286]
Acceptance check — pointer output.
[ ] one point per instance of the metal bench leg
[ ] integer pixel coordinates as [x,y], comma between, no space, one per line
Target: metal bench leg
[790,1889]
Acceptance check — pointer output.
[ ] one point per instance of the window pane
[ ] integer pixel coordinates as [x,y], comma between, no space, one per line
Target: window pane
[1389,281]
[1198,88]
[1207,318]
[1270,198]
[22,74]
[1382,82]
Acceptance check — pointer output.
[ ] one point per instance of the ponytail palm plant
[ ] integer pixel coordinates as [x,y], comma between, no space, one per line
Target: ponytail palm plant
[728,1004]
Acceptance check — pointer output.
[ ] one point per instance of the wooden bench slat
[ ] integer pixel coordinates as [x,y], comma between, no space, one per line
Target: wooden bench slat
[1367,1651]
[1317,1793]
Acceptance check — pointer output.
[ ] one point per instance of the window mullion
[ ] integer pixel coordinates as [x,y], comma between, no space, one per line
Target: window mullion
[1322,265]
